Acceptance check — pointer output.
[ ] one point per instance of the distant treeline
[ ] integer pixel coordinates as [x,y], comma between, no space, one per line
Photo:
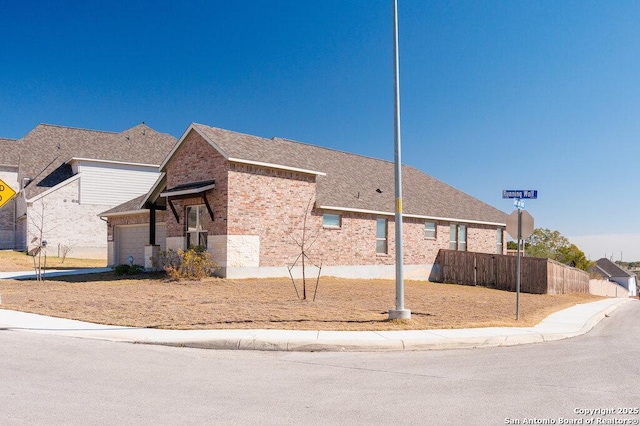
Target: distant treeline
[628,265]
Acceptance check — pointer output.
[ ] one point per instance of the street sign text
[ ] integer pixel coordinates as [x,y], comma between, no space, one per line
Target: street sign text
[530,194]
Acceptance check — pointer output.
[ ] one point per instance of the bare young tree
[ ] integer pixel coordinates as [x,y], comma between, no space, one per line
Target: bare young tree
[63,251]
[40,227]
[305,238]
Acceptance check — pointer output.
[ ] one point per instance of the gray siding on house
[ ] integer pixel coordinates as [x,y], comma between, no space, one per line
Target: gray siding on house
[113,184]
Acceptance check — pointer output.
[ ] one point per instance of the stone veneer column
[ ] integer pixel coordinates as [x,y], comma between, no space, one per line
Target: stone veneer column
[111,254]
[150,251]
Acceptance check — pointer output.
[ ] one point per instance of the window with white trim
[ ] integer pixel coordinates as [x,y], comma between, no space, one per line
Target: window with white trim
[499,237]
[430,230]
[462,237]
[381,236]
[458,237]
[196,232]
[331,220]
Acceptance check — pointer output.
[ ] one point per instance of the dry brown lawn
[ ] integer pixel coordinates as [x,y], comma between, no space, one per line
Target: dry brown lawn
[13,261]
[155,302]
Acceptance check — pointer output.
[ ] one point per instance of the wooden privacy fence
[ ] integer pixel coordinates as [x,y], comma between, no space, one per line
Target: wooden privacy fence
[538,276]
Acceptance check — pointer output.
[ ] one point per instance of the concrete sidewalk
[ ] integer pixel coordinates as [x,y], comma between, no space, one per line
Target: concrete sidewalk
[568,323]
[27,275]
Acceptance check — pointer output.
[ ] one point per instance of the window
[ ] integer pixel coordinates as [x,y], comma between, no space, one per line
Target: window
[462,237]
[499,241]
[331,220]
[381,236]
[430,229]
[453,237]
[458,237]
[196,233]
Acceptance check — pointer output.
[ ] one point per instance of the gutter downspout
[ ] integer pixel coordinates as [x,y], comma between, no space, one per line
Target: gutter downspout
[15,223]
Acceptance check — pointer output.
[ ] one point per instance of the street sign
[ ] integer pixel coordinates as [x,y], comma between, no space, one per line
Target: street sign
[6,193]
[530,194]
[519,226]
[526,227]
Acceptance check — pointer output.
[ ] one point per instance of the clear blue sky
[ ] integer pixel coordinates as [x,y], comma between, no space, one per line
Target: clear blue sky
[494,94]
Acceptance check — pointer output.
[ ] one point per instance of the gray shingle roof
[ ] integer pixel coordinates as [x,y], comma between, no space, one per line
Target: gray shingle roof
[352,181]
[610,269]
[46,148]
[9,152]
[129,206]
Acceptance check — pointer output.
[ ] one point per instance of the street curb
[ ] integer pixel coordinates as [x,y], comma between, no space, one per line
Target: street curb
[596,318]
[560,325]
[528,336]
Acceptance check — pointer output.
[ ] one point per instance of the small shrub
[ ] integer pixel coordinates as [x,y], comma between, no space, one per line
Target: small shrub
[64,251]
[169,261]
[128,269]
[195,263]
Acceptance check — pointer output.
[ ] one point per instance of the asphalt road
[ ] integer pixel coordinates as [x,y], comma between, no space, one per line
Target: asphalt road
[60,380]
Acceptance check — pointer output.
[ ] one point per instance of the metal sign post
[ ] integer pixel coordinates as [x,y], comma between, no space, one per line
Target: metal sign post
[519,226]
[518,263]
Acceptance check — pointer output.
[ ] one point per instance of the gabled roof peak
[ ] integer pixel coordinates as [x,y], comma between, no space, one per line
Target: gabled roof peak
[46,147]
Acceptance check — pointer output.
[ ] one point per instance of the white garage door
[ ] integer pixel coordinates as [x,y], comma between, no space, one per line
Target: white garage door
[131,239]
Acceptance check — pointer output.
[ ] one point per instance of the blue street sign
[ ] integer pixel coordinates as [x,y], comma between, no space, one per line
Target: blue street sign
[530,194]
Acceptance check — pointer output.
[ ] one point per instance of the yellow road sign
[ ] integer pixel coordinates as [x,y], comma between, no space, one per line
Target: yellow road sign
[6,193]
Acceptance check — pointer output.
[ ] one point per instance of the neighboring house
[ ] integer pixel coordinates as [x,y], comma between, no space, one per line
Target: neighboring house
[246,199]
[615,273]
[65,176]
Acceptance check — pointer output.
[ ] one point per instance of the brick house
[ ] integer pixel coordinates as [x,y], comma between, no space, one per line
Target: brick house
[248,198]
[65,176]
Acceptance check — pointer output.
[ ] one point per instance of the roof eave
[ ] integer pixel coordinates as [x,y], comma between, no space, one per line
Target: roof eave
[95,160]
[155,189]
[52,189]
[276,166]
[188,191]
[125,213]
[413,216]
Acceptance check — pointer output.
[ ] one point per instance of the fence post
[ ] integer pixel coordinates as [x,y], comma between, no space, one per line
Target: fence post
[475,269]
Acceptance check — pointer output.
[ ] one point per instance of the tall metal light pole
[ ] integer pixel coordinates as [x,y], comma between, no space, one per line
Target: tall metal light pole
[399,312]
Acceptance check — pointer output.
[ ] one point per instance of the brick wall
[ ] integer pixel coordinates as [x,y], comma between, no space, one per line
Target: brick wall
[483,239]
[196,161]
[66,222]
[271,203]
[7,225]
[354,243]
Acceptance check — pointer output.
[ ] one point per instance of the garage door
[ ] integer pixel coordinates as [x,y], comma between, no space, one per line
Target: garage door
[131,239]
